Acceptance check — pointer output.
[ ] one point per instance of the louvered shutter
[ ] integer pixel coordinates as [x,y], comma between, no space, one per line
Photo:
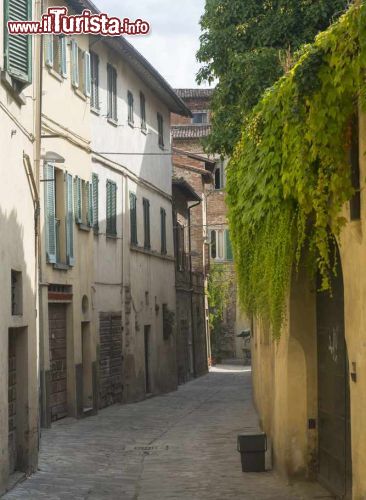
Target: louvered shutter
[50,212]
[133,219]
[69,221]
[90,215]
[146,206]
[18,48]
[95,186]
[48,47]
[77,199]
[114,208]
[229,250]
[163,230]
[74,64]
[87,75]
[63,61]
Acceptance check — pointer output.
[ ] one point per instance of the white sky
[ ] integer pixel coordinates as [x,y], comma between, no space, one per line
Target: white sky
[173,41]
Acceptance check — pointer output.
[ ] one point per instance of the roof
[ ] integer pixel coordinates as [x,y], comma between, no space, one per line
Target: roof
[139,64]
[186,189]
[190,131]
[195,156]
[194,93]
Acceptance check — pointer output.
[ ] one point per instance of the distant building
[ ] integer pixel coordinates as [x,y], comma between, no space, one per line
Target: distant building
[210,234]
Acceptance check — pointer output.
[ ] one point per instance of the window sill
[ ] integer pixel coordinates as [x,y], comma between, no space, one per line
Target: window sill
[111,236]
[55,75]
[18,97]
[96,111]
[112,122]
[84,227]
[131,124]
[144,130]
[162,147]
[61,267]
[80,94]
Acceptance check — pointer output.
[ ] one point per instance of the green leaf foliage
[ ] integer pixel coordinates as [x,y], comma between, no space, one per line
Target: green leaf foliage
[246,45]
[289,175]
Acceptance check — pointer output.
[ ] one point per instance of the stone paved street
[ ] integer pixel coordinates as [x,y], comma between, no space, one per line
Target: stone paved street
[177,446]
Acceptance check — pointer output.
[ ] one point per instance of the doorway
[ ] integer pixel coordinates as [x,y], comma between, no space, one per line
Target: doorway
[335,459]
[147,331]
[58,357]
[87,367]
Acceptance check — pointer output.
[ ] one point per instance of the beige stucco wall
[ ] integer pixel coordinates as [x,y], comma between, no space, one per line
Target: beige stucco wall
[18,253]
[285,372]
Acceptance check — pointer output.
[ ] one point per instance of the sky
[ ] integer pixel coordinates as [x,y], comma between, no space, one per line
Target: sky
[173,41]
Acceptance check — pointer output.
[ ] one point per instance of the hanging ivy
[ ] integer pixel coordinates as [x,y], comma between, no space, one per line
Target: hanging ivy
[289,176]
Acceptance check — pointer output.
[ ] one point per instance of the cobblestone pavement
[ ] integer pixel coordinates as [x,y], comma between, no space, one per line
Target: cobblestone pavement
[176,446]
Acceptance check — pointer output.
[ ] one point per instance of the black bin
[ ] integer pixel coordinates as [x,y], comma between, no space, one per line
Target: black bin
[252,448]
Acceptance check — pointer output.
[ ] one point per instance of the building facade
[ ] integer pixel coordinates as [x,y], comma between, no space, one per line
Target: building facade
[309,387]
[210,235]
[19,205]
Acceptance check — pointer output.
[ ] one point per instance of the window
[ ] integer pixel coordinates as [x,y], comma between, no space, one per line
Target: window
[18,48]
[133,219]
[146,209]
[16,293]
[143,111]
[95,201]
[161,130]
[112,93]
[163,230]
[80,69]
[199,118]
[111,208]
[220,176]
[55,52]
[355,202]
[94,80]
[221,249]
[130,107]
[59,214]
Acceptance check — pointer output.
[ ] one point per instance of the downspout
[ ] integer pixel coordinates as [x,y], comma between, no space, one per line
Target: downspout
[37,163]
[191,285]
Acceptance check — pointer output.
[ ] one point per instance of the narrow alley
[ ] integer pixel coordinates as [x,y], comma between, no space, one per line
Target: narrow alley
[177,446]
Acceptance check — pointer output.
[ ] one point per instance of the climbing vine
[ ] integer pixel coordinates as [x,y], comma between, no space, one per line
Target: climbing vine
[289,176]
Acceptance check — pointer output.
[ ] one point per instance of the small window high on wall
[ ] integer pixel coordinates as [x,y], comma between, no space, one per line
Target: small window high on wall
[220,245]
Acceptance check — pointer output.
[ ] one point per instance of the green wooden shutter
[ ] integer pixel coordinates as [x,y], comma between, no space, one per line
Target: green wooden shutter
[63,56]
[111,208]
[18,48]
[48,48]
[133,219]
[90,204]
[50,212]
[74,64]
[229,250]
[146,207]
[95,187]
[69,221]
[87,75]
[77,199]
[163,230]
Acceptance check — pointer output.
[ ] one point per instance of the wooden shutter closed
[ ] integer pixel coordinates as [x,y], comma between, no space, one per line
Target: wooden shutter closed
[87,75]
[77,199]
[18,48]
[69,221]
[111,208]
[146,206]
[50,209]
[74,64]
[63,56]
[133,219]
[94,70]
[163,230]
[48,49]
[95,188]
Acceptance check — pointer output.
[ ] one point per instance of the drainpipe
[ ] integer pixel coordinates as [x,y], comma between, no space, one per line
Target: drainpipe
[37,166]
[191,285]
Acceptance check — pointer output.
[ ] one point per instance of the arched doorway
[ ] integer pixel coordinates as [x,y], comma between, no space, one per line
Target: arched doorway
[335,459]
